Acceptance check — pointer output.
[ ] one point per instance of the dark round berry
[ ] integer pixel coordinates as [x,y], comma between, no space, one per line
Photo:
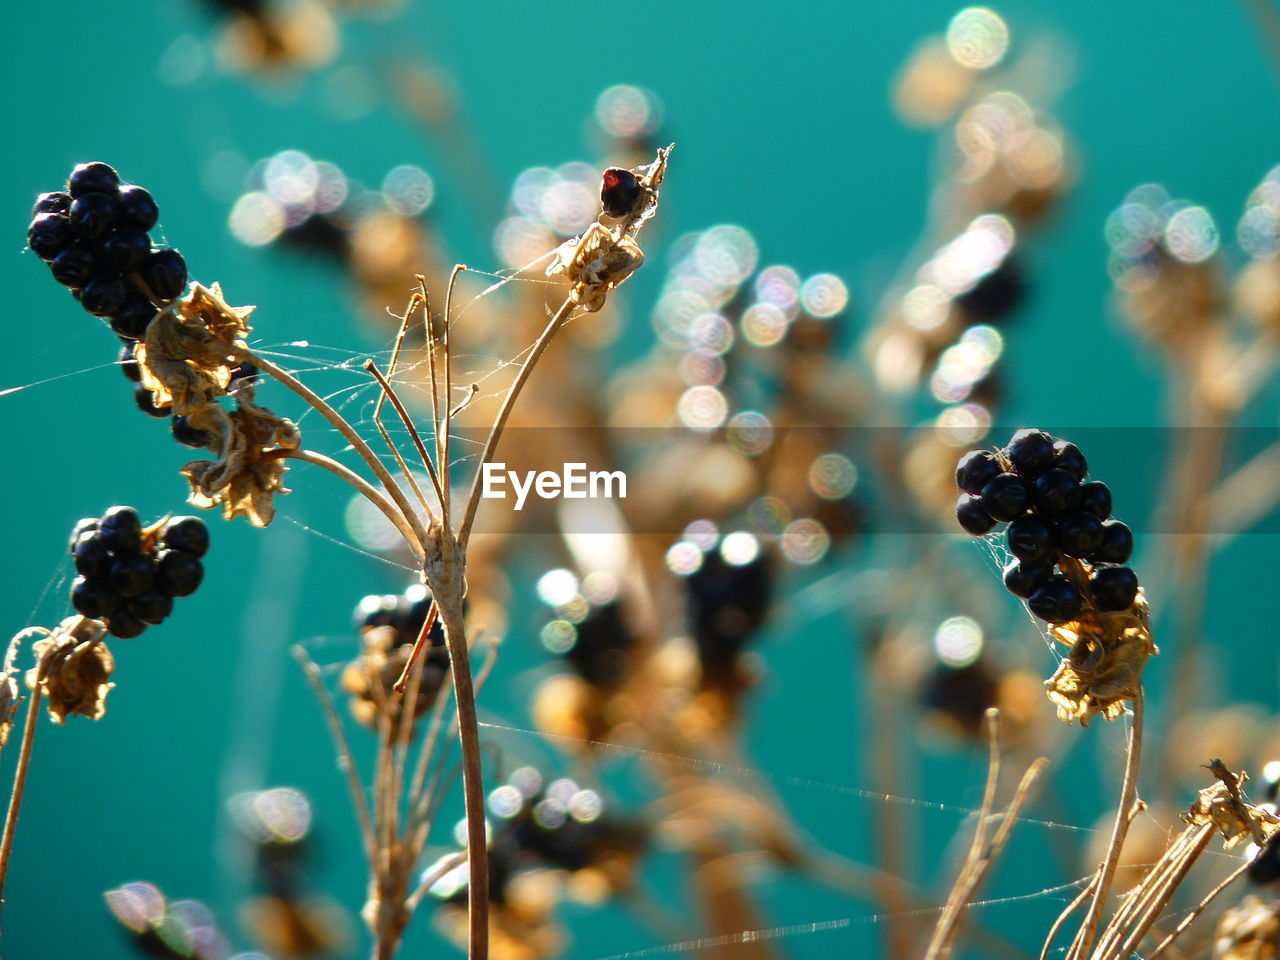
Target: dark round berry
[121,530]
[1030,452]
[1095,498]
[972,515]
[147,404]
[56,202]
[128,365]
[93,559]
[93,215]
[165,272]
[132,574]
[1067,456]
[1114,588]
[189,436]
[1265,866]
[976,469]
[133,317]
[1055,601]
[1079,534]
[103,296]
[73,266]
[137,208]
[1006,497]
[1023,577]
[179,573]
[1117,543]
[92,599]
[96,177]
[87,525]
[49,235]
[151,607]
[124,623]
[124,249]
[244,371]
[1055,491]
[1030,539]
[996,294]
[190,535]
[620,193]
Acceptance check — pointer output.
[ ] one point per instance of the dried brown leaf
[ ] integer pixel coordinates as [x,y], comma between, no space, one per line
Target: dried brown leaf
[73,669]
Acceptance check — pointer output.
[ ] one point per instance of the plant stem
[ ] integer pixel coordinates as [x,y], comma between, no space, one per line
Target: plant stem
[508,402]
[450,606]
[19,783]
[1118,832]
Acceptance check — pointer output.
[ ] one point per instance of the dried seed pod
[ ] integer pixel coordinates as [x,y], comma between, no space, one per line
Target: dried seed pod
[73,669]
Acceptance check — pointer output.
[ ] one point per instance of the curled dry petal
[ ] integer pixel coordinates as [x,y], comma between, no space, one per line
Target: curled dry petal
[1236,819]
[73,669]
[1104,666]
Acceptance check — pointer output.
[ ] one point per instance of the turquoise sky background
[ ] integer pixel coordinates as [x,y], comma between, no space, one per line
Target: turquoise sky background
[783,124]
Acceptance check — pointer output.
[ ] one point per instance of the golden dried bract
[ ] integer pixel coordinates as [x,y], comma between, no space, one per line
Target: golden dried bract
[1250,931]
[1104,666]
[1221,806]
[73,669]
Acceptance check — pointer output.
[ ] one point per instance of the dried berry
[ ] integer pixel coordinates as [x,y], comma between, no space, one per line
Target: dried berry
[137,208]
[1114,588]
[189,436]
[93,599]
[620,193]
[1030,538]
[93,215]
[1079,534]
[131,574]
[1006,497]
[973,516]
[1117,543]
[124,249]
[56,202]
[1056,601]
[103,296]
[1067,456]
[1055,491]
[1023,577]
[165,273]
[95,177]
[151,607]
[190,535]
[121,530]
[178,573]
[124,623]
[1030,451]
[1095,498]
[93,559]
[128,365]
[146,403]
[133,316]
[976,469]
[49,235]
[73,266]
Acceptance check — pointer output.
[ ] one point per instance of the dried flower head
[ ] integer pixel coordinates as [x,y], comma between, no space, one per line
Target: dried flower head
[73,669]
[1104,666]
[1223,806]
[1250,931]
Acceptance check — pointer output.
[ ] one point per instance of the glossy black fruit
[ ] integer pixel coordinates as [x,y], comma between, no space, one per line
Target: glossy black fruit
[93,559]
[1030,451]
[103,296]
[133,317]
[93,215]
[1056,601]
[151,607]
[165,272]
[73,266]
[87,525]
[124,249]
[129,366]
[179,573]
[1117,543]
[1055,491]
[1067,456]
[189,436]
[972,515]
[976,469]
[92,599]
[124,623]
[56,202]
[132,574]
[95,177]
[1095,498]
[244,371]
[1030,539]
[996,294]
[49,235]
[121,530]
[1114,588]
[620,192]
[137,208]
[146,403]
[190,535]
[1265,868]
[1079,534]
[1023,577]
[1006,497]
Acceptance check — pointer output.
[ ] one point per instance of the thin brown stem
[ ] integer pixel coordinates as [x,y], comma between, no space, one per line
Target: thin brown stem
[431,368]
[508,402]
[1107,870]
[357,442]
[443,437]
[389,393]
[1196,911]
[19,782]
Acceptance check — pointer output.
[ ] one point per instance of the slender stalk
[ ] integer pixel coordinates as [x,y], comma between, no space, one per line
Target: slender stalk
[389,393]
[513,392]
[19,783]
[361,485]
[1196,911]
[429,879]
[420,538]
[1107,870]
[442,437]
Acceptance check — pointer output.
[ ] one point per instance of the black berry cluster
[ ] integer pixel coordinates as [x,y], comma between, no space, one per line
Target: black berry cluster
[593,637]
[95,236]
[1056,519]
[130,575]
[405,613]
[620,193]
[727,603]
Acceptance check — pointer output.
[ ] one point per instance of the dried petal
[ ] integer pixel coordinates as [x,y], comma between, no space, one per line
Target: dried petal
[73,669]
[1238,820]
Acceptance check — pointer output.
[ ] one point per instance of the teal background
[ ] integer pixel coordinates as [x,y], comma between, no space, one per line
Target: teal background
[783,122]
